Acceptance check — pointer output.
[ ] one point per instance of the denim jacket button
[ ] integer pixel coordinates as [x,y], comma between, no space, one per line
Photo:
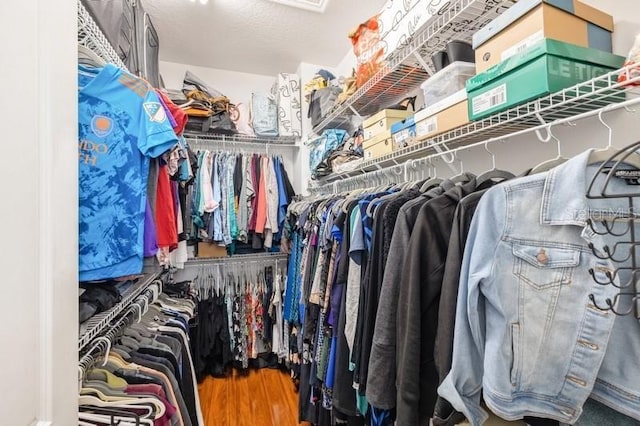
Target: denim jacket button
[577,380]
[589,344]
[542,257]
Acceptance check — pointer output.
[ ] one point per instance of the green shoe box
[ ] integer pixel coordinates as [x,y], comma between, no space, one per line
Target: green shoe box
[546,67]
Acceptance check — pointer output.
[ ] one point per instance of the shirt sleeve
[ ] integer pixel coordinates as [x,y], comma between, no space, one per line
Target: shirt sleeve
[156,134]
[462,386]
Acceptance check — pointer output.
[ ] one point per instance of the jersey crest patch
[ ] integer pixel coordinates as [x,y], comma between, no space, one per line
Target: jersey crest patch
[155,111]
[101,125]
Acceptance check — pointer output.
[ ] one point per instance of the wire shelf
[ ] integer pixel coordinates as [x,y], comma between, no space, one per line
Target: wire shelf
[237,258]
[92,37]
[92,327]
[593,95]
[404,69]
[284,141]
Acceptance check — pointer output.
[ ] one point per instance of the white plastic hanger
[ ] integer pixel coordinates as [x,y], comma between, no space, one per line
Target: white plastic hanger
[602,155]
[493,173]
[434,180]
[460,177]
[554,162]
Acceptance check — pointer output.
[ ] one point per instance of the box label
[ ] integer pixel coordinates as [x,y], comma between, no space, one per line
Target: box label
[490,99]
[405,137]
[523,45]
[427,126]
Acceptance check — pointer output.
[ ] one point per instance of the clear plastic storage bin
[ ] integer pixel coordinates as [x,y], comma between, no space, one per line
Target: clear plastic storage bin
[447,81]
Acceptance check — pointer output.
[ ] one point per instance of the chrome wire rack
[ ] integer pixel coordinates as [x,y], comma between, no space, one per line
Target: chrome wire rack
[92,37]
[197,138]
[407,67]
[95,325]
[601,92]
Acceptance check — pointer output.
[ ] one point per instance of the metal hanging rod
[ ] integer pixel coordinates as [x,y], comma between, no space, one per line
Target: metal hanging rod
[239,258]
[284,141]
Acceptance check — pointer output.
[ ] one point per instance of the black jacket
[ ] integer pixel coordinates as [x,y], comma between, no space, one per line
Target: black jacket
[418,306]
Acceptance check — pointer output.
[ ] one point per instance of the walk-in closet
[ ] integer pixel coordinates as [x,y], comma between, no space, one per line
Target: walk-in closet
[320,213]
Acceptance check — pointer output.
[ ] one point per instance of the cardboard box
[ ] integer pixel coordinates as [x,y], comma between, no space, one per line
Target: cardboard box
[449,114]
[529,21]
[289,105]
[380,144]
[208,250]
[382,121]
[403,133]
[549,66]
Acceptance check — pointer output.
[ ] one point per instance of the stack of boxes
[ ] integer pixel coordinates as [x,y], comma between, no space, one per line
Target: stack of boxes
[534,48]
[377,132]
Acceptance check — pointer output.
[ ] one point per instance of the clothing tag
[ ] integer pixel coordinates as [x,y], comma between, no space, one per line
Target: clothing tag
[632,177]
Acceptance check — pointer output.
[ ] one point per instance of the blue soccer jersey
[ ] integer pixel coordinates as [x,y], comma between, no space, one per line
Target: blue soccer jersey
[121,125]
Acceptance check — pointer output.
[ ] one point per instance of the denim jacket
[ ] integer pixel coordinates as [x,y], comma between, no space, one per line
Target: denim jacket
[527,334]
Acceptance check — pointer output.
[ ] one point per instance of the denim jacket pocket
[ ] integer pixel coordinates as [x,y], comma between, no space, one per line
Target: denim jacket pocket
[542,266]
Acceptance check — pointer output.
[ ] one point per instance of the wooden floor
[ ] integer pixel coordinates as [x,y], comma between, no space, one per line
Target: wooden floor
[264,397]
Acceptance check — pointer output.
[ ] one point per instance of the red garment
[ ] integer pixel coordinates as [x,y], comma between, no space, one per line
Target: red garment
[153,389]
[178,114]
[165,212]
[261,215]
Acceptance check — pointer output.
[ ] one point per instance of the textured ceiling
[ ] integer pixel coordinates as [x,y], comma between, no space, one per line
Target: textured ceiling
[255,36]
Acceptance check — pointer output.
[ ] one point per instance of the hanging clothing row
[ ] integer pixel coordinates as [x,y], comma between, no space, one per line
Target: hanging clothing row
[402,293]
[145,191]
[141,371]
[239,200]
[240,315]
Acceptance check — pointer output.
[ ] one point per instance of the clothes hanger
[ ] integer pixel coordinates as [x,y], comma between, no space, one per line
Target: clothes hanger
[493,173]
[408,182]
[606,154]
[148,404]
[87,56]
[113,382]
[376,201]
[460,177]
[93,387]
[545,166]
[120,419]
[434,180]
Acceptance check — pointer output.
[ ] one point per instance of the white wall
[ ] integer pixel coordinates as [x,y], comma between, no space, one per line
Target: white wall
[237,86]
[347,64]
[38,359]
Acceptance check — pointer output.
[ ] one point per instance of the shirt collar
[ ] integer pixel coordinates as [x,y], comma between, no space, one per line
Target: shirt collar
[564,200]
